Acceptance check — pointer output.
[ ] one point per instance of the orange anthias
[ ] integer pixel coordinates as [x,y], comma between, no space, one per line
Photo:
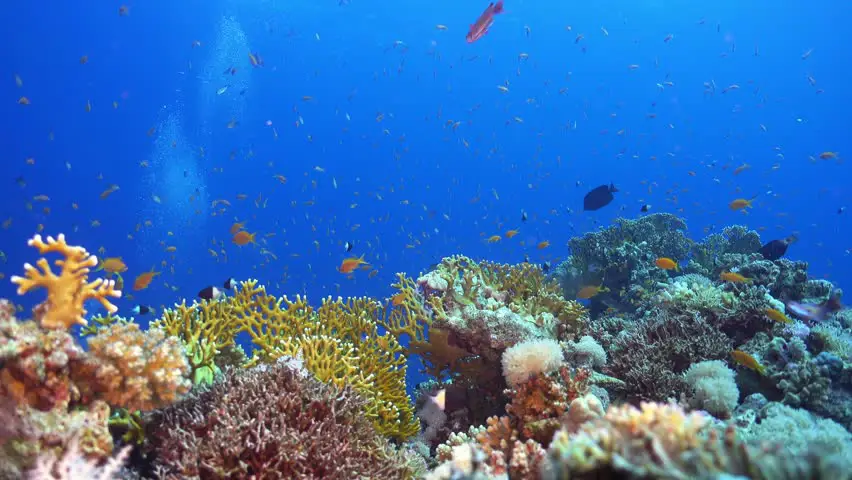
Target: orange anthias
[144,279]
[243,238]
[350,264]
[113,265]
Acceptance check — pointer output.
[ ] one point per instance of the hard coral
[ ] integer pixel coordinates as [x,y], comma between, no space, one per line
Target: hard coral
[340,343]
[134,369]
[271,422]
[651,353]
[68,291]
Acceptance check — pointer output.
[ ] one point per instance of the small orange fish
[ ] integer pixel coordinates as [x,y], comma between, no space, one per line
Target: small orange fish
[828,155]
[748,361]
[349,265]
[590,291]
[255,59]
[543,245]
[236,227]
[741,168]
[113,265]
[777,315]
[397,299]
[733,277]
[666,263]
[493,239]
[243,237]
[23,101]
[144,279]
[740,204]
[511,233]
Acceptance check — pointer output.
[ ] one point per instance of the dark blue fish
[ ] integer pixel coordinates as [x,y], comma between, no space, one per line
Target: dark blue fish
[599,197]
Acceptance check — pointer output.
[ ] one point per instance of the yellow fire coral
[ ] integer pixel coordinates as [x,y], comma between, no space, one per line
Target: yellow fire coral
[340,343]
[68,291]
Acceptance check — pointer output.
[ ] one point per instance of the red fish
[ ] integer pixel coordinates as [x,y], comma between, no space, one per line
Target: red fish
[483,23]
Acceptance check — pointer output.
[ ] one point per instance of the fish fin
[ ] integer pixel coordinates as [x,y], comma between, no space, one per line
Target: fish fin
[498,7]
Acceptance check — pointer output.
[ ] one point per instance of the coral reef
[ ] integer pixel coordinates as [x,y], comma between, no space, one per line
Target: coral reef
[340,343]
[60,393]
[274,421]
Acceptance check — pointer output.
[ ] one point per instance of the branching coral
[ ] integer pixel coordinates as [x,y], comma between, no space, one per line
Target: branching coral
[68,291]
[61,392]
[341,343]
[651,353]
[272,422]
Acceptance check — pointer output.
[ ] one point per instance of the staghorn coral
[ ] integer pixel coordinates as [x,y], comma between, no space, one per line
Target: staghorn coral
[340,343]
[68,291]
[271,421]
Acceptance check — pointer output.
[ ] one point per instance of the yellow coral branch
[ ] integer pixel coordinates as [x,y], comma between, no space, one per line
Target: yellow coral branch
[68,291]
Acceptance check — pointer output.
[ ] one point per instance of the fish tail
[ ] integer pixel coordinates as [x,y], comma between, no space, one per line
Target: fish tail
[498,7]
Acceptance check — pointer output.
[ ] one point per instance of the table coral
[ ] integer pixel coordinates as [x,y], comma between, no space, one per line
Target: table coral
[68,291]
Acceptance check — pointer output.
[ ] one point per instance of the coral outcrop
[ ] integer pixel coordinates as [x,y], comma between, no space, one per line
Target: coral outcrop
[271,421]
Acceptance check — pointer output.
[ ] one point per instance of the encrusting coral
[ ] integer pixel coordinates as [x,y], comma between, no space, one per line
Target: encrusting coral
[62,393]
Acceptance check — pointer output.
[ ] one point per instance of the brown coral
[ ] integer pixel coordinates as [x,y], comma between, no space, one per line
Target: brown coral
[68,291]
[133,369]
[272,422]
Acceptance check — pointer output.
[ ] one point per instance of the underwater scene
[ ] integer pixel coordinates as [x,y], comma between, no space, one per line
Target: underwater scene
[354,239]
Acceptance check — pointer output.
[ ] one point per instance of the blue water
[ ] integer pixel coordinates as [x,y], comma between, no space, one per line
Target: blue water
[410,189]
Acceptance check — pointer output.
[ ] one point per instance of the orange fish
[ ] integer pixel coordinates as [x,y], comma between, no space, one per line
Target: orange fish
[777,315]
[243,237]
[828,155]
[543,245]
[590,291]
[741,168]
[144,279]
[493,239]
[511,233]
[740,204]
[397,299]
[350,264]
[112,265]
[666,263]
[748,361]
[236,227]
[255,59]
[23,101]
[484,22]
[733,277]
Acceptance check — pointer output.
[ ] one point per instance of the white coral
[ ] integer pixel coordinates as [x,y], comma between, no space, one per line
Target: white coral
[714,387]
[529,358]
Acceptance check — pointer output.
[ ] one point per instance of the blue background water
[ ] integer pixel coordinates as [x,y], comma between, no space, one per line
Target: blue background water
[369,59]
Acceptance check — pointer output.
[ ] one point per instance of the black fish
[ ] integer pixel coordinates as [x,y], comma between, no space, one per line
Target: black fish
[141,310]
[210,293]
[545,267]
[230,284]
[776,248]
[645,208]
[348,246]
[523,216]
[599,197]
